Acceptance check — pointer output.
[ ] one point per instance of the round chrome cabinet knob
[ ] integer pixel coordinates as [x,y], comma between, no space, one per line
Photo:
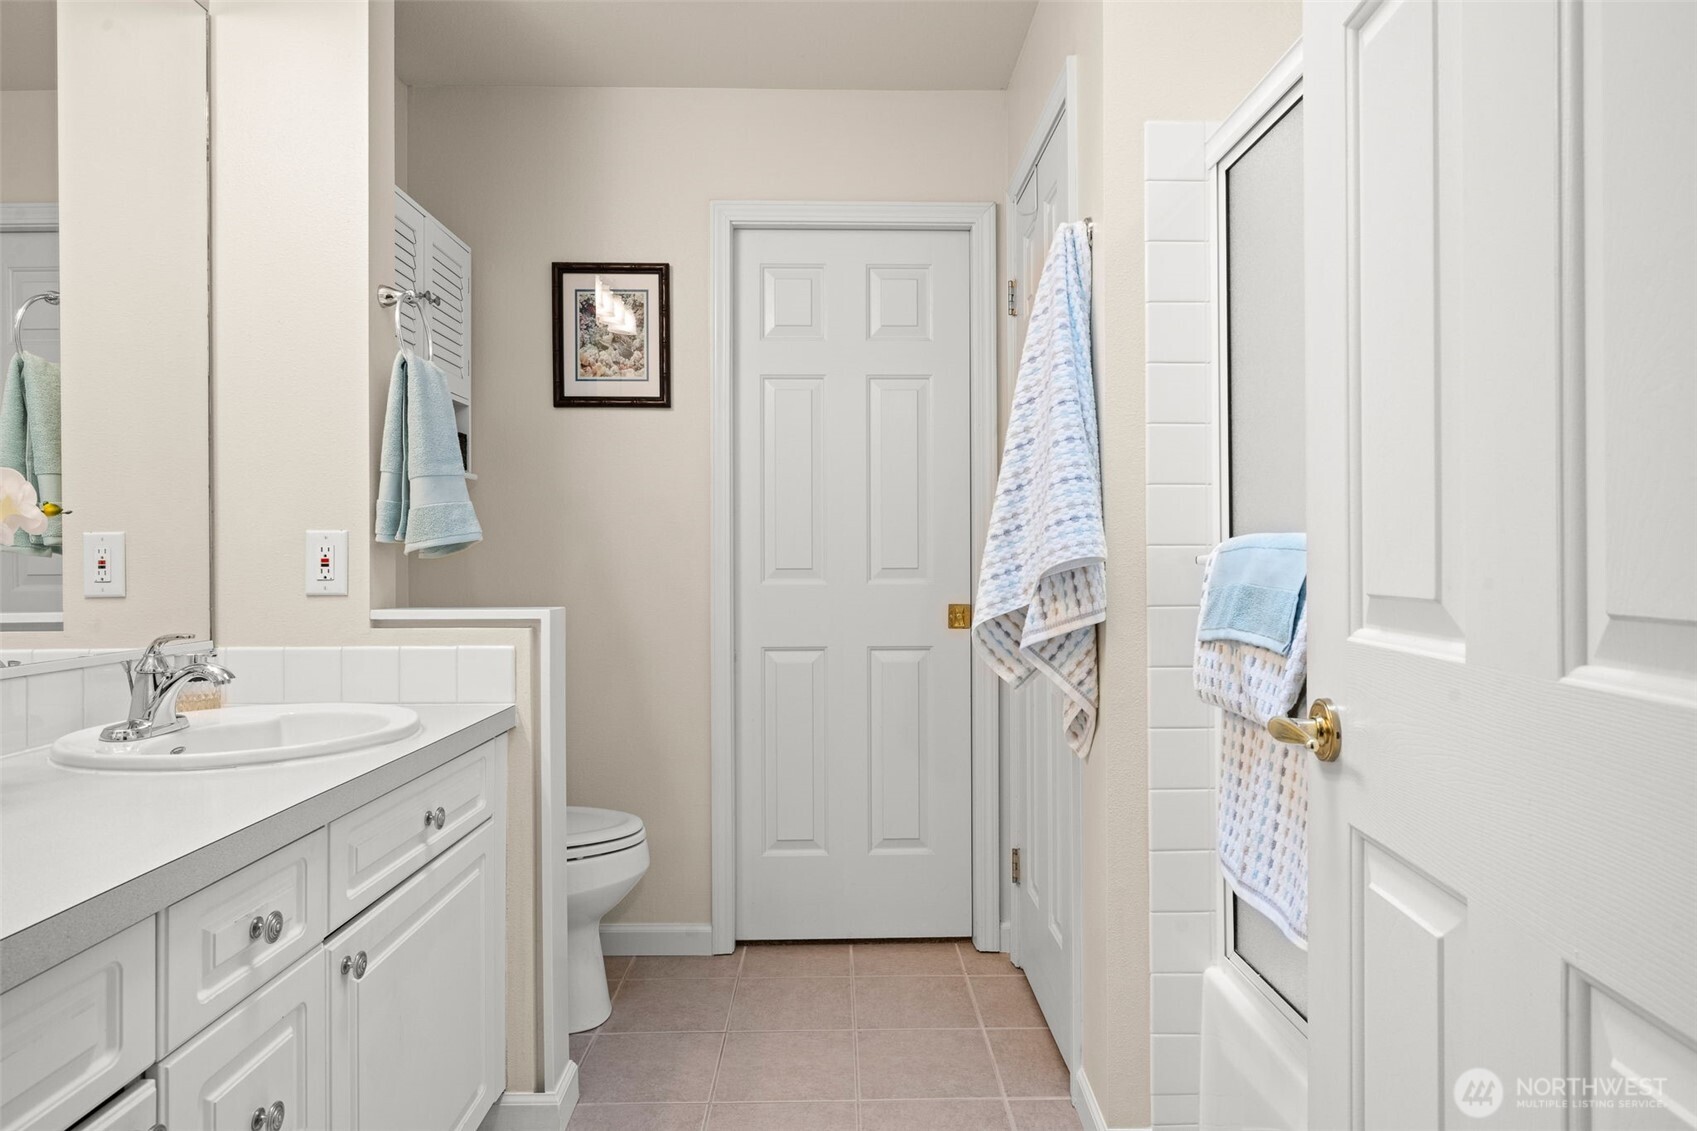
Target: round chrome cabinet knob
[355,964]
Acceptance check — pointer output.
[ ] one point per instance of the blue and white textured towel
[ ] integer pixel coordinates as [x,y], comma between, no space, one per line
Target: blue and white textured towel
[421,491]
[1257,590]
[1042,589]
[1263,790]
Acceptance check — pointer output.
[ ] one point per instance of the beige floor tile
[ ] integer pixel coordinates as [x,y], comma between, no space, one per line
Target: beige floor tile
[913,1003]
[579,1045]
[637,1117]
[925,1064]
[650,1068]
[980,964]
[791,1003]
[906,958]
[686,966]
[1030,1063]
[617,965]
[782,1117]
[671,1005]
[796,960]
[933,1115]
[787,1066]
[1005,1003]
[1044,1115]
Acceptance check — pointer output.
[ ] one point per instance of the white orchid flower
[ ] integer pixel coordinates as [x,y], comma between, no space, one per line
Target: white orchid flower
[18,509]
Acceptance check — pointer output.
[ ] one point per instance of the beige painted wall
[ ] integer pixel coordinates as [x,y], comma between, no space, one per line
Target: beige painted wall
[29,166]
[606,510]
[1161,59]
[132,193]
[304,144]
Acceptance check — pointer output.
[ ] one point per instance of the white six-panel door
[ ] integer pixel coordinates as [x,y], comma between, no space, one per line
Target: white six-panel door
[854,767]
[1045,774]
[1502,401]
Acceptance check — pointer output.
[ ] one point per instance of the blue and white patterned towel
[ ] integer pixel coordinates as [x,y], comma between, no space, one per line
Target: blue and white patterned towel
[1263,788]
[1042,589]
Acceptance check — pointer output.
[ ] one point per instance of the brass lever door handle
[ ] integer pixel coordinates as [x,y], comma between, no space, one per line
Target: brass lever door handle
[1321,733]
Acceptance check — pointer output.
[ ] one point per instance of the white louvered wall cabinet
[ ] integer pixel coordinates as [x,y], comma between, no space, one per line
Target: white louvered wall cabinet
[430,257]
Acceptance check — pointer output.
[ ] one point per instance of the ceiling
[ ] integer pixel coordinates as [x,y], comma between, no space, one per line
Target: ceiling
[28,32]
[778,44]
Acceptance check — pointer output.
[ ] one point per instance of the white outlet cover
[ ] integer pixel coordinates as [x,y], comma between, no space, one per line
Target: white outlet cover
[103,563]
[326,563]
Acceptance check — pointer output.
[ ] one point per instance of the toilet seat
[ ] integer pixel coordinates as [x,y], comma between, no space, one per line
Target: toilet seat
[600,832]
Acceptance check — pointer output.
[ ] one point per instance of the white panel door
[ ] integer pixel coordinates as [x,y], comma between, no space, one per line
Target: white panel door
[853,536]
[29,265]
[1044,774]
[424,1059]
[1502,401]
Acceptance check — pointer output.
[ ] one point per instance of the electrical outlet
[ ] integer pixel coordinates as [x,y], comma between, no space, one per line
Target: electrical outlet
[326,563]
[103,563]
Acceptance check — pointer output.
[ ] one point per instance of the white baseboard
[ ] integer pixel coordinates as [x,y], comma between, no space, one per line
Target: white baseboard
[657,938]
[536,1111]
[1084,1100]
[1007,937]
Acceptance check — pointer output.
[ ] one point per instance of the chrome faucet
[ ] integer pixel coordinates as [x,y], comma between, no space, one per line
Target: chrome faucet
[154,687]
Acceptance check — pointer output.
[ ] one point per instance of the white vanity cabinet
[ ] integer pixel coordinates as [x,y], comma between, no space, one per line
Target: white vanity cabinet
[231,1009]
[417,1026]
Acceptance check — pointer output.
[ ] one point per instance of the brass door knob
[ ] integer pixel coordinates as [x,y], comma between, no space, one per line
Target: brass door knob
[1322,733]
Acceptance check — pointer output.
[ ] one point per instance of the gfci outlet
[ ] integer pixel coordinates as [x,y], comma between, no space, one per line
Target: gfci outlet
[326,563]
[103,563]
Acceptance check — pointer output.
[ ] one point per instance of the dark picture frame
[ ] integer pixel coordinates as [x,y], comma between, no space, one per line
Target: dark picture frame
[590,359]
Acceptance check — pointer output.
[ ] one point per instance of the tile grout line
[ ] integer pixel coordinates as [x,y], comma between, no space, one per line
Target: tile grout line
[854,1036]
[984,1032]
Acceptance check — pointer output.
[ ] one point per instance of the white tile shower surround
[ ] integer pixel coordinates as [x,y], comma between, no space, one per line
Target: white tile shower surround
[36,709]
[1182,523]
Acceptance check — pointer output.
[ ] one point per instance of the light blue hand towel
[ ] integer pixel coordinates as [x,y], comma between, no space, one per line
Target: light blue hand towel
[1256,590]
[29,442]
[421,484]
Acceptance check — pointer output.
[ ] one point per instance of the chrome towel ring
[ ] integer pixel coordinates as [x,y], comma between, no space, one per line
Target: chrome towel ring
[396,297]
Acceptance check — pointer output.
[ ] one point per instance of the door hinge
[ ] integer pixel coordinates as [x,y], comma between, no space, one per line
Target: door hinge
[1013,304]
[1015,869]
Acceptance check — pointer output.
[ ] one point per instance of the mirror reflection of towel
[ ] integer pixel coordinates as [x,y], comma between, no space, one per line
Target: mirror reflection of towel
[29,442]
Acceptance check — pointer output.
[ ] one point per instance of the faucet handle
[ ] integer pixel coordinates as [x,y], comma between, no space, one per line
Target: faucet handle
[151,662]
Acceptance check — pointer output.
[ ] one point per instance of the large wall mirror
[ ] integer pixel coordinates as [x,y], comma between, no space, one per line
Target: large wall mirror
[104,453]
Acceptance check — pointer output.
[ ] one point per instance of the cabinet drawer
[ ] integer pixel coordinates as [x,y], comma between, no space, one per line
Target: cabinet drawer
[136,1110]
[418,1011]
[214,958]
[267,1051]
[384,841]
[77,1033]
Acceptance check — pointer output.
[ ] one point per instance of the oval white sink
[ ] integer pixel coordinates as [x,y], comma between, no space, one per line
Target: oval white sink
[245,736]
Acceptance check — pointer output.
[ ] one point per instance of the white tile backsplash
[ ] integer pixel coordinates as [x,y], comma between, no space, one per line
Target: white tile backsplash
[429,675]
[14,715]
[1182,523]
[1181,819]
[105,695]
[1179,332]
[371,674]
[312,675]
[1181,942]
[486,673]
[1175,210]
[258,672]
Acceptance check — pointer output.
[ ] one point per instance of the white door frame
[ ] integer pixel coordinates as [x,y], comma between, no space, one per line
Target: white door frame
[978,220]
[1063,96]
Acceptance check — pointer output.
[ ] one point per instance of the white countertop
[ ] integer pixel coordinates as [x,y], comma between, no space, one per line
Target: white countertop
[85,853]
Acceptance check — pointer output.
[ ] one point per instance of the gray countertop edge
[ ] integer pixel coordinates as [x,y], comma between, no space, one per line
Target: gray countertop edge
[35,949]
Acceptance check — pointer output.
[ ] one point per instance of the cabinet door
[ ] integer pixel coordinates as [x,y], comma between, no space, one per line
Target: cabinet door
[447,272]
[266,1054]
[412,252]
[418,1039]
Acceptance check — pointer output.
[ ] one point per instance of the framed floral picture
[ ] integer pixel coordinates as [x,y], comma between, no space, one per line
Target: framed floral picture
[612,335]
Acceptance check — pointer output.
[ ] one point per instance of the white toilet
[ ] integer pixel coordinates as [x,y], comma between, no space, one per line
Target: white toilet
[606,853]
